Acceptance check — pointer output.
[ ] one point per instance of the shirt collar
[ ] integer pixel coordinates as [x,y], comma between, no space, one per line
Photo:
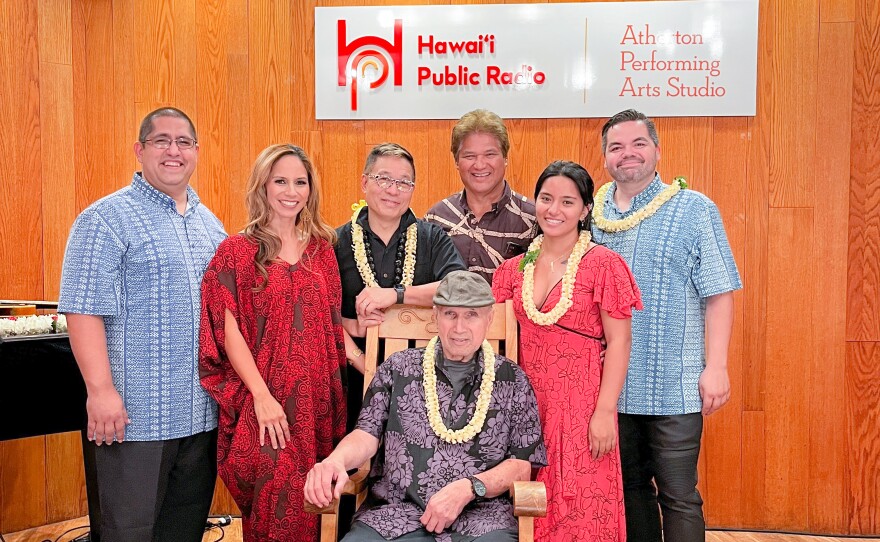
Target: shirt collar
[440,361]
[642,198]
[145,189]
[406,220]
[502,201]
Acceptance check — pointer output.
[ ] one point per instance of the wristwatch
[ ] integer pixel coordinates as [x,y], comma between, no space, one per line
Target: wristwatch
[399,288]
[478,487]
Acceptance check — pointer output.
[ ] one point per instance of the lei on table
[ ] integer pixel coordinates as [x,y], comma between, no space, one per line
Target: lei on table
[565,299]
[32,325]
[432,403]
[678,184]
[364,264]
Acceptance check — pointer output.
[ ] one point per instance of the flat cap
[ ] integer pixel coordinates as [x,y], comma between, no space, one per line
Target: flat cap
[464,289]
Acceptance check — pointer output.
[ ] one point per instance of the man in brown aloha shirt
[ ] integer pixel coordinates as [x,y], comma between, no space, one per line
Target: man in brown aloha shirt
[488,222]
[423,487]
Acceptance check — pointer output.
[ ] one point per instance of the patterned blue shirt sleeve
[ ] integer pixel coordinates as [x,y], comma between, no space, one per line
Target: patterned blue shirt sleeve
[715,270]
[91,274]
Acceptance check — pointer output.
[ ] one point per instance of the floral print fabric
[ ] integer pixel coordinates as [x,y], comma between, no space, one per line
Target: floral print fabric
[413,463]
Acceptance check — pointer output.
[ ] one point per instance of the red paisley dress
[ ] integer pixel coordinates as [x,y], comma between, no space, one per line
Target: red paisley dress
[293,329]
[584,497]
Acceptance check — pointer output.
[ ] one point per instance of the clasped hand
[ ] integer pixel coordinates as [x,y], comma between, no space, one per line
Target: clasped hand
[446,505]
[319,489]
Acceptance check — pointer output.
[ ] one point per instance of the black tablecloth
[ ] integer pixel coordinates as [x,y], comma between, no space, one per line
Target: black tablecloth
[41,390]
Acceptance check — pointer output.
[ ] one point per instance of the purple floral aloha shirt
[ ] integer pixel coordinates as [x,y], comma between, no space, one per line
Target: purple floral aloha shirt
[413,463]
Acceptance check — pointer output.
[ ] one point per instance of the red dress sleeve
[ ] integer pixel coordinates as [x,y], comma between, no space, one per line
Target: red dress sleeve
[326,260]
[615,289]
[221,287]
[503,279]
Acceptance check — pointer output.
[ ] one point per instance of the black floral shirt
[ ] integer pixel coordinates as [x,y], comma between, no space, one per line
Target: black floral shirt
[413,463]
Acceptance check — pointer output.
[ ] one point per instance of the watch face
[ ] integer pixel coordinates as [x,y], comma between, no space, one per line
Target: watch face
[478,487]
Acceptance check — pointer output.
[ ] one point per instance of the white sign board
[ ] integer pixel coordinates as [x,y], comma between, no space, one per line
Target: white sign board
[684,58]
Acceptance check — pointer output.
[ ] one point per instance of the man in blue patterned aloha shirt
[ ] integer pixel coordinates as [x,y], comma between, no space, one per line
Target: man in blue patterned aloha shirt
[675,244]
[130,287]
[424,485]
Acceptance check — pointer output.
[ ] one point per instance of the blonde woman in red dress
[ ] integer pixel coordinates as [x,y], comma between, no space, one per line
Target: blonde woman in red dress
[571,297]
[272,347]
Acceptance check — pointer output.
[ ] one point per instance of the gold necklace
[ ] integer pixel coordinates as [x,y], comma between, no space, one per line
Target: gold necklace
[678,184]
[432,403]
[560,259]
[360,251]
[566,297]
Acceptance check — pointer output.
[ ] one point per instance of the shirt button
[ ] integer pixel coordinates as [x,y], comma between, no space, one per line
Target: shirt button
[473,259]
[385,275]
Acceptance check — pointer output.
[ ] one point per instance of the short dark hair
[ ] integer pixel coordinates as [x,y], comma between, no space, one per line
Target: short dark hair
[629,115]
[147,123]
[581,179]
[393,150]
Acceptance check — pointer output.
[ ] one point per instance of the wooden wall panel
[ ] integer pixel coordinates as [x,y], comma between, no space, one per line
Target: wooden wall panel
[215,186]
[754,267]
[65,477]
[828,415]
[125,120]
[21,191]
[723,430]
[863,433]
[794,94]
[342,143]
[22,490]
[863,318]
[754,470]
[591,155]
[56,121]
[270,70]
[303,48]
[528,140]
[790,345]
[93,89]
[837,11]
[787,181]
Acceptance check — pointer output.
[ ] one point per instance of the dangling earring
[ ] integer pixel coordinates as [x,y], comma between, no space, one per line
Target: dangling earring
[305,220]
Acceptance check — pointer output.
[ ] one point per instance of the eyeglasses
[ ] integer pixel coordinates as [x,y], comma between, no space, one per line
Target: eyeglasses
[183,143]
[384,181]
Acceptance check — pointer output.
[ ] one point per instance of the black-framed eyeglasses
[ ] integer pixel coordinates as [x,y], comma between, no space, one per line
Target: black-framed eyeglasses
[384,181]
[183,143]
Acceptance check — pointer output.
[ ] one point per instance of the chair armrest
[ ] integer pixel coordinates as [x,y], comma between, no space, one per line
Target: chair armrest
[529,499]
[356,484]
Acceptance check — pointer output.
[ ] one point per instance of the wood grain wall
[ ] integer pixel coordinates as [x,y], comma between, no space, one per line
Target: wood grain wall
[797,448]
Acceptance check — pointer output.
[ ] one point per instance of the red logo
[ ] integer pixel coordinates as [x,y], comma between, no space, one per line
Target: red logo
[369,52]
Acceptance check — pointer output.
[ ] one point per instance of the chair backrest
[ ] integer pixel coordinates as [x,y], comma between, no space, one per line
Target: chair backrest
[409,326]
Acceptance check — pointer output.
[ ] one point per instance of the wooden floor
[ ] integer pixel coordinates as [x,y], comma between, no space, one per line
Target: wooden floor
[232,533]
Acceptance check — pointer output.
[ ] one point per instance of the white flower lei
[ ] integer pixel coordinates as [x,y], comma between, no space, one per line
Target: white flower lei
[566,297]
[33,325]
[678,184]
[432,403]
[360,252]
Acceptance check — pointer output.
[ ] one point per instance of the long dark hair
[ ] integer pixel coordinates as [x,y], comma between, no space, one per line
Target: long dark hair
[582,181]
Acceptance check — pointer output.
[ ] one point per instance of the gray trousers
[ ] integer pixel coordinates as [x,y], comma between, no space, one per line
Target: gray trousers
[363,533]
[659,456]
[156,491]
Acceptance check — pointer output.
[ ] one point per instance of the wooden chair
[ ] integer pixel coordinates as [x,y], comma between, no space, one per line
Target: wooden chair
[408,326]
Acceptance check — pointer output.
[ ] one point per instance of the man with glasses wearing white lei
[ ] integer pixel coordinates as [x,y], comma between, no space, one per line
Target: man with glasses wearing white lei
[451,426]
[386,255]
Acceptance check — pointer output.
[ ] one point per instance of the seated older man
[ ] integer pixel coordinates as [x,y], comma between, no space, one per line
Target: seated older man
[453,433]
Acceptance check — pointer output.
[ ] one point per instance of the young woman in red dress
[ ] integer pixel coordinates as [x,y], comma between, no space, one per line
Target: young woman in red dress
[272,347]
[571,297]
